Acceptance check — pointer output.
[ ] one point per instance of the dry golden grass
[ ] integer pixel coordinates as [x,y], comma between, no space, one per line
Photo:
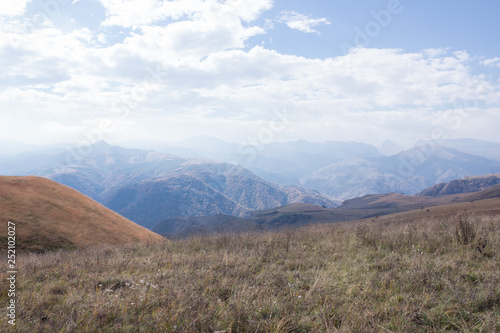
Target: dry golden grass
[49,215]
[392,276]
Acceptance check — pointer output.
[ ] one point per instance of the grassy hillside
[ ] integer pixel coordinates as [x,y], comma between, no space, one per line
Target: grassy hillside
[51,216]
[435,274]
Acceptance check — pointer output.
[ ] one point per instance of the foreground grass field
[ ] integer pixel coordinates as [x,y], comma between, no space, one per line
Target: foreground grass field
[434,275]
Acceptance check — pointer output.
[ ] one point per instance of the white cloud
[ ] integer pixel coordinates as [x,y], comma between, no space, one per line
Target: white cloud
[194,74]
[129,13]
[491,62]
[301,22]
[134,13]
[13,8]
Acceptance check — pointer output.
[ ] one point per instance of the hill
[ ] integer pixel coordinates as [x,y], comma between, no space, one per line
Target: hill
[464,185]
[49,216]
[370,206]
[489,207]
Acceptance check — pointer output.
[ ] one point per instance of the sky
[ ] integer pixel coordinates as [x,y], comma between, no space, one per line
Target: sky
[249,71]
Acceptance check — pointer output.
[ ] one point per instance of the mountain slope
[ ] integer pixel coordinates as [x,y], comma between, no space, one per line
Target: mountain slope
[204,188]
[486,149]
[464,185]
[408,172]
[49,215]
[489,207]
[93,171]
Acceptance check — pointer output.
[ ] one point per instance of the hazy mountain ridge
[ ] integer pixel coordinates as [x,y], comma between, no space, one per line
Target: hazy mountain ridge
[408,172]
[486,149]
[193,225]
[98,170]
[283,163]
[345,170]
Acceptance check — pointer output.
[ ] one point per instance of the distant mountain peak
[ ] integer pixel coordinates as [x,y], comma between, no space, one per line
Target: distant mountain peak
[101,144]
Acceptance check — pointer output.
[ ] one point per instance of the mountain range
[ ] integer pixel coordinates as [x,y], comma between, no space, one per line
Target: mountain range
[408,172]
[344,170]
[147,186]
[283,163]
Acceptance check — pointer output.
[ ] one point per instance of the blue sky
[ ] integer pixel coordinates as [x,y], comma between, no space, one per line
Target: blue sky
[369,71]
[420,24]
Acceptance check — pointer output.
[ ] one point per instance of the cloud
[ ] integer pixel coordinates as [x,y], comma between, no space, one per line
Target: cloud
[491,62]
[13,8]
[189,70]
[301,22]
[134,13]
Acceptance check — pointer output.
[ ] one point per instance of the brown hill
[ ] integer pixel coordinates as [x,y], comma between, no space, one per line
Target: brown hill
[49,216]
[480,207]
[385,204]
[489,193]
